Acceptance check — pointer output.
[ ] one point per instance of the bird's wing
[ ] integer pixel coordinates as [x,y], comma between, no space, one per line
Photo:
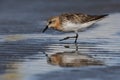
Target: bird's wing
[80,18]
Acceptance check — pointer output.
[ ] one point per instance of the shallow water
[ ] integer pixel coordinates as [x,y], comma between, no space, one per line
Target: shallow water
[28,54]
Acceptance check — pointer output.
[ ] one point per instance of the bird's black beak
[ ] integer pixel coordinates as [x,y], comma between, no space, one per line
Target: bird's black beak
[45,29]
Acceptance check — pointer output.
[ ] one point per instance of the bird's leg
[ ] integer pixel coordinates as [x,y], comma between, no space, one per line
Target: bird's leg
[67,38]
[76,37]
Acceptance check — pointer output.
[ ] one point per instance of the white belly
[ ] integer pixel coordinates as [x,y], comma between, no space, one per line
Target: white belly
[69,26]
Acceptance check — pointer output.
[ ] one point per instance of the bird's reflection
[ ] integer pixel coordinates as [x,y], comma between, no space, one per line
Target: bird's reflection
[72,58]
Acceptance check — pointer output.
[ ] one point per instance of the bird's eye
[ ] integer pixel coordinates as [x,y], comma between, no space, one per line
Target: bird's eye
[53,21]
[50,22]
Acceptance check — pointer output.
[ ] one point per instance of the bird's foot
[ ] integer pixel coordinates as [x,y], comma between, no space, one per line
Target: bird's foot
[67,38]
[64,38]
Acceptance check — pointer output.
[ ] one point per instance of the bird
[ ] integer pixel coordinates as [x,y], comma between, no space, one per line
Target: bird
[72,22]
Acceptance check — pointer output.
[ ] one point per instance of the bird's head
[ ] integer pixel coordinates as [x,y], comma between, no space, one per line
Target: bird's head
[53,22]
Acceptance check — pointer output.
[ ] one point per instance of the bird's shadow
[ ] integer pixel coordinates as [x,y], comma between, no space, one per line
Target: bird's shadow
[68,58]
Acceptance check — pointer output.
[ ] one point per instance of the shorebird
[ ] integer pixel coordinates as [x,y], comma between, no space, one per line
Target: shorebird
[72,22]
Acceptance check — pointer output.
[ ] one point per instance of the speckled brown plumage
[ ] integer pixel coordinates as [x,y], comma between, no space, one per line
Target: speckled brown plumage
[79,17]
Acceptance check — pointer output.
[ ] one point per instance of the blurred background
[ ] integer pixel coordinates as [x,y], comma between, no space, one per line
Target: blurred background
[28,16]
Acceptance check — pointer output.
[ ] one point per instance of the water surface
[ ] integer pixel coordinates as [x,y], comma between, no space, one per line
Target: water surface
[28,54]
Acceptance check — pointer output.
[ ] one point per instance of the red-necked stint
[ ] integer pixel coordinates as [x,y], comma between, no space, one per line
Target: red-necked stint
[72,22]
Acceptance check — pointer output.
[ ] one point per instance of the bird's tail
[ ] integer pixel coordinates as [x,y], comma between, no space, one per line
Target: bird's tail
[101,16]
